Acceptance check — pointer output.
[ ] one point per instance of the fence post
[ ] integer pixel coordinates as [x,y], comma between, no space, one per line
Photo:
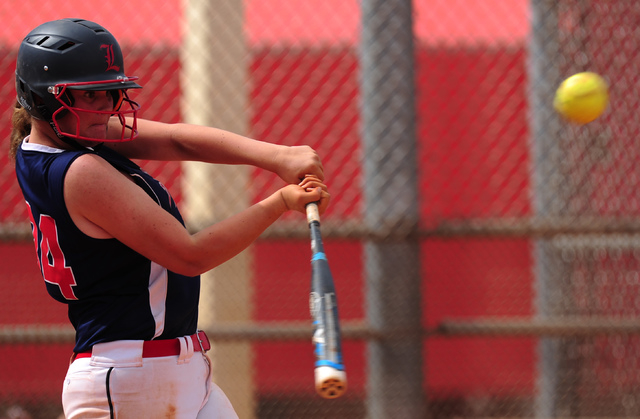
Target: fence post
[392,266]
[550,194]
[215,94]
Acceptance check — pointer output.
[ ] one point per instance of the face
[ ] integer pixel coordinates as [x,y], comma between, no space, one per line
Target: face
[88,124]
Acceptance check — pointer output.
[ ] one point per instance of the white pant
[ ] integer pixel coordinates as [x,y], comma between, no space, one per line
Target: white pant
[116,382]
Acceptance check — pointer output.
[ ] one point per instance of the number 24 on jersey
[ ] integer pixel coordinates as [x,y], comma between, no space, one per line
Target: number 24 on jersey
[51,257]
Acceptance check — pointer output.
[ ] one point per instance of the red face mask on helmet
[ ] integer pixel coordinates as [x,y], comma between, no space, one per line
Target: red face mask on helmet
[123,107]
[73,54]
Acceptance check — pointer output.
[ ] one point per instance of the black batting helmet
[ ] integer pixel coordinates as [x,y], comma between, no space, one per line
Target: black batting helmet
[70,54]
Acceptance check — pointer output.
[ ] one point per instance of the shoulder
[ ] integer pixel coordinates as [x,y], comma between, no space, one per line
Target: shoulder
[87,178]
[88,171]
[86,165]
[46,166]
[94,192]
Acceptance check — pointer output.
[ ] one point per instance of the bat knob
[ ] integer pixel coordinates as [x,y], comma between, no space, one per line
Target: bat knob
[330,382]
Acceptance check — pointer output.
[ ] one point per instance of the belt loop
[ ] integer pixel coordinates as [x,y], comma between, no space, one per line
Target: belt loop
[186,350]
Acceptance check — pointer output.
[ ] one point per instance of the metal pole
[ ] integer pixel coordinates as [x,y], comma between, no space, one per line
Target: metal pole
[391,203]
[550,193]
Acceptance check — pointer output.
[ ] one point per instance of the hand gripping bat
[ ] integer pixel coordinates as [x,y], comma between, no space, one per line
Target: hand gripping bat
[330,377]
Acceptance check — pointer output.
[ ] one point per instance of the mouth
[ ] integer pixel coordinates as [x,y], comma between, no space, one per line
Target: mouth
[99,125]
[97,130]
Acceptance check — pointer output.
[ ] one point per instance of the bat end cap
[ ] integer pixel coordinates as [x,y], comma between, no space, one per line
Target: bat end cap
[330,382]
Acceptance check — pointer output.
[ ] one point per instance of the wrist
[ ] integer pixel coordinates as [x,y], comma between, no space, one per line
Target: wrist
[273,158]
[276,204]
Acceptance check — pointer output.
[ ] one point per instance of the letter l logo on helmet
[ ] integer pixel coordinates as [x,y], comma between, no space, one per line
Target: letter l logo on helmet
[109,57]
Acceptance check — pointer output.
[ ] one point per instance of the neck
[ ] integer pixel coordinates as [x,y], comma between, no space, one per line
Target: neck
[41,133]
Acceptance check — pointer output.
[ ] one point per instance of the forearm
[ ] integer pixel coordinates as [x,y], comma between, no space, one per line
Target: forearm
[186,142]
[213,145]
[223,240]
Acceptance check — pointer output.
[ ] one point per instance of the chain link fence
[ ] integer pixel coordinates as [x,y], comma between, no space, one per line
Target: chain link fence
[486,252]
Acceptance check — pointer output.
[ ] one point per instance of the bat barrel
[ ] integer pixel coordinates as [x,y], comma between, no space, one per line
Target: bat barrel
[330,377]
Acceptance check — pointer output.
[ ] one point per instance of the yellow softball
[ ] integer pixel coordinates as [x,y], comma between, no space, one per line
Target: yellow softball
[582,97]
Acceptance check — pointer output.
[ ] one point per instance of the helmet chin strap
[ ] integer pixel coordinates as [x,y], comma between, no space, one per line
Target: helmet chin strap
[71,141]
[48,116]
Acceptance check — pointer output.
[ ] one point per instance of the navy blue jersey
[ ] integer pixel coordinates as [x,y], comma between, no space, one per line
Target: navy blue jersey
[112,292]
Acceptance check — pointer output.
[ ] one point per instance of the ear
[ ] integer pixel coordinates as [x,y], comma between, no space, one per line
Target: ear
[42,109]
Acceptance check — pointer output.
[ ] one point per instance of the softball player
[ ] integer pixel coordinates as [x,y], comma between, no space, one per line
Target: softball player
[109,238]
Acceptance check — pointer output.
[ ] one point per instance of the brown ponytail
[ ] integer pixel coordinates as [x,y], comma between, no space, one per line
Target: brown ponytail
[21,127]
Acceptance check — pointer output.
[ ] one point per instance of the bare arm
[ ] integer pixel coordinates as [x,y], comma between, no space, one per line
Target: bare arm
[105,203]
[185,142]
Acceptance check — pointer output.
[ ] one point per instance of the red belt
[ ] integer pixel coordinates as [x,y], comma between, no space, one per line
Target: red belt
[164,347]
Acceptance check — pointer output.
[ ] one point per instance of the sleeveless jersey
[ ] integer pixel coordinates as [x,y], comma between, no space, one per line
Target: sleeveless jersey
[112,292]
